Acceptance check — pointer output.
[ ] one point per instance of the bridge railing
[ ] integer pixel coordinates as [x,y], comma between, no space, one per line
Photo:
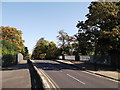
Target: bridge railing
[100,59]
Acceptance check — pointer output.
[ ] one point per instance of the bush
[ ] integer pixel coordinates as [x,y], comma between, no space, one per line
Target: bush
[8,60]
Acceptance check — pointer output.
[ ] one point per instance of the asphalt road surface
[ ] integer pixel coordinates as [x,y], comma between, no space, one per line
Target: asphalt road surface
[66,76]
[16,77]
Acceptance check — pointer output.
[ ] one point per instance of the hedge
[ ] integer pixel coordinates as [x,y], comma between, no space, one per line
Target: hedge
[8,60]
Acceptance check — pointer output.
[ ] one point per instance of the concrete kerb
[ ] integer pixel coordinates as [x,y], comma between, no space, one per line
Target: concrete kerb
[45,79]
[89,71]
[36,81]
[46,85]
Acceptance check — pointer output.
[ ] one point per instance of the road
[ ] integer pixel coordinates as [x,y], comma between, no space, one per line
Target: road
[66,76]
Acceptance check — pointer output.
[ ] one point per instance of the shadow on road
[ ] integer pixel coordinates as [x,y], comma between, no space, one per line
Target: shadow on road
[54,66]
[75,66]
[94,67]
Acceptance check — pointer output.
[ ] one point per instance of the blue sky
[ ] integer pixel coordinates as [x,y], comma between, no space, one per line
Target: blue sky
[43,19]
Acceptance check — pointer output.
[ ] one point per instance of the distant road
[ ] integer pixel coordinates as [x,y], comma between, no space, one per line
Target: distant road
[66,76]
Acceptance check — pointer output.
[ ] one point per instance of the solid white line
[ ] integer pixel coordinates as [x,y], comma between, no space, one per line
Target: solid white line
[75,79]
[100,76]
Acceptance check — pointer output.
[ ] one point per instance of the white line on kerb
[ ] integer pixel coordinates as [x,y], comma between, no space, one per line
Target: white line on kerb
[75,79]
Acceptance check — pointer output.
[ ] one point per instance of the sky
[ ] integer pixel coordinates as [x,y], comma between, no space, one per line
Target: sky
[43,19]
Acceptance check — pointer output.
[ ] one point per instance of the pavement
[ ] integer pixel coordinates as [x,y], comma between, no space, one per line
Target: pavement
[89,67]
[16,76]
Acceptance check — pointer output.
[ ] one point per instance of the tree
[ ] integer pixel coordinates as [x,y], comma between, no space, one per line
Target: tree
[84,38]
[69,48]
[8,48]
[40,49]
[44,50]
[65,43]
[11,43]
[62,37]
[106,17]
[14,36]
[51,51]
[26,53]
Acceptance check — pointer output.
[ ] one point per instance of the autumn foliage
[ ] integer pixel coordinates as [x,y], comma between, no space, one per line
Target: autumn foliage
[11,43]
[13,36]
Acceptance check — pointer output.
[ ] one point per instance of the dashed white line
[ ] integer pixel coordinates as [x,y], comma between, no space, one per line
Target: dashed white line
[76,79]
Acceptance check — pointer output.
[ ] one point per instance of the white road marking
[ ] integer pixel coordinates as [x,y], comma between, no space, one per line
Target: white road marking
[100,76]
[75,79]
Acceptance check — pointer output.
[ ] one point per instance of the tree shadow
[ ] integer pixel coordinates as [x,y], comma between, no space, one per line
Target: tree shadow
[76,66]
[94,66]
[54,66]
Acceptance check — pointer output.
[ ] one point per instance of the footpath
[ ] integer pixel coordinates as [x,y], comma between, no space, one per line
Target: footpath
[16,76]
[102,70]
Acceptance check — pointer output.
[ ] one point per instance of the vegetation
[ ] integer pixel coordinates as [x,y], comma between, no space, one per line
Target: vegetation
[100,33]
[104,16]
[26,53]
[8,48]
[11,44]
[65,43]
[10,34]
[8,60]
[44,50]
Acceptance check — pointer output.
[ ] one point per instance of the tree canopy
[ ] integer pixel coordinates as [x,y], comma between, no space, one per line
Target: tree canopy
[11,43]
[65,42]
[44,50]
[12,36]
[102,28]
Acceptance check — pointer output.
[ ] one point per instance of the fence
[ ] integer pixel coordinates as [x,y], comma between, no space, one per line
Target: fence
[85,57]
[68,57]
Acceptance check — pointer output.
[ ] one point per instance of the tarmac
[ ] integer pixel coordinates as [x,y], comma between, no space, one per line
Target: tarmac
[16,76]
[8,81]
[89,67]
